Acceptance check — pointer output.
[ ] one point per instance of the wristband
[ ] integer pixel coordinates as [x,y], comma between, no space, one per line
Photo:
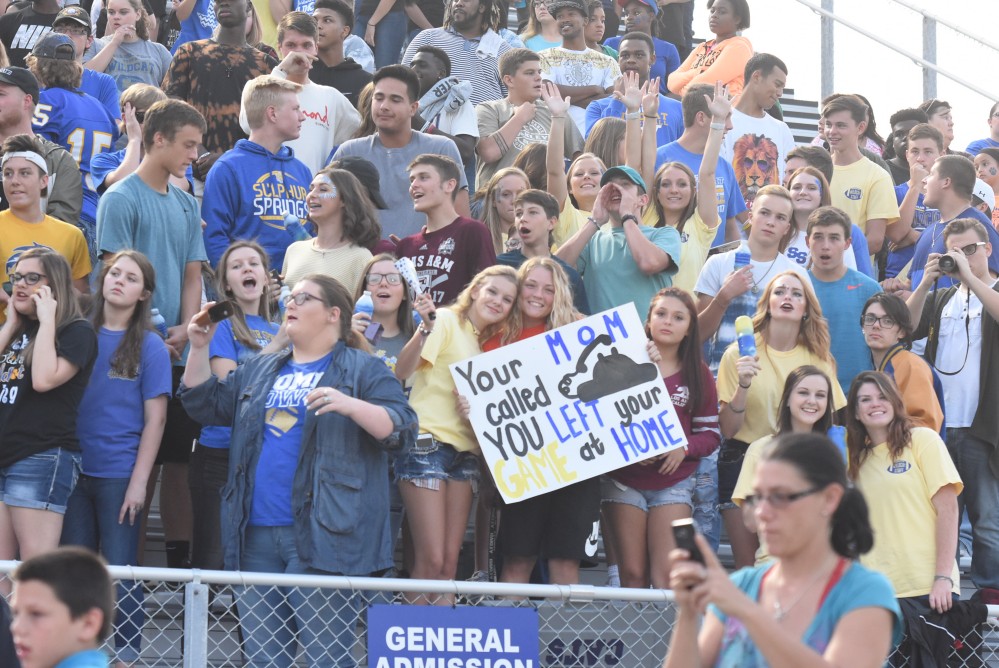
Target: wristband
[653,117]
[745,387]
[937,578]
[593,220]
[737,411]
[717,126]
[632,115]
[628,217]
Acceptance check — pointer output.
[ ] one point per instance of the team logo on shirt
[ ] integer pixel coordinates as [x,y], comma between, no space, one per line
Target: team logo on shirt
[755,163]
[446,247]
[901,466]
[275,195]
[855,194]
[18,251]
[680,397]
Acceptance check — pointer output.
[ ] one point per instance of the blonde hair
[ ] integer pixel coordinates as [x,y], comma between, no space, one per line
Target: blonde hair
[572,168]
[141,96]
[263,92]
[813,332]
[463,304]
[490,216]
[563,308]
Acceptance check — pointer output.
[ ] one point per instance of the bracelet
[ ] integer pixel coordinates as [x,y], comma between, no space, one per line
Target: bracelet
[628,217]
[632,115]
[372,25]
[745,387]
[593,220]
[937,578]
[717,126]
[561,117]
[424,331]
[737,412]
[654,116]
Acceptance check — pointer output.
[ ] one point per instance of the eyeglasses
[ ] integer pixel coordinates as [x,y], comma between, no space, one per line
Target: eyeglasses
[971,249]
[885,322]
[778,500]
[75,32]
[301,298]
[31,278]
[392,279]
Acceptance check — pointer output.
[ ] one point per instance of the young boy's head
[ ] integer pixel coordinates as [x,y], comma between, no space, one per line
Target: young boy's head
[923,145]
[172,130]
[62,604]
[535,216]
[520,70]
[770,218]
[828,236]
[433,180]
[334,21]
[844,120]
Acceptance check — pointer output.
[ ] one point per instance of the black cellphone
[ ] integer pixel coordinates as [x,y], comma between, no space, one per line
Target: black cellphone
[683,534]
[276,275]
[221,311]
[8,288]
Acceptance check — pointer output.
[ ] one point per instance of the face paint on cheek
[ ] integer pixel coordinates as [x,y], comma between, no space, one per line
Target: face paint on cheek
[992,171]
[329,195]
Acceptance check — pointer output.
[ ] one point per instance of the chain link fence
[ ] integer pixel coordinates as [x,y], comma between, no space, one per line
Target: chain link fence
[197,619]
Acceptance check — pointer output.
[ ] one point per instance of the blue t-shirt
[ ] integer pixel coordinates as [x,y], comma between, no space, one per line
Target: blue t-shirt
[102,87]
[112,412]
[284,423]
[730,200]
[199,25]
[105,163]
[842,305]
[225,345]
[858,588]
[975,147]
[669,124]
[923,217]
[90,658]
[665,59]
[932,241]
[81,125]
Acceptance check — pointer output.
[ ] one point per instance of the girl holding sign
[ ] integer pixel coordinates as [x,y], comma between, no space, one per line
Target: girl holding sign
[789,332]
[435,476]
[642,500]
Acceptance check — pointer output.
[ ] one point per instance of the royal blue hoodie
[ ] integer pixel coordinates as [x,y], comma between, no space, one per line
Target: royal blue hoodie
[248,192]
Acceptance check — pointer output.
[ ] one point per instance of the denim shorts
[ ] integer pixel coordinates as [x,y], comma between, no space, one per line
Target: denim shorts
[645,499]
[43,481]
[429,461]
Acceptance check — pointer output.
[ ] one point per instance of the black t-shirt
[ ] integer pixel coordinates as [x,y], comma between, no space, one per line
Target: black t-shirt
[432,9]
[348,77]
[32,422]
[20,30]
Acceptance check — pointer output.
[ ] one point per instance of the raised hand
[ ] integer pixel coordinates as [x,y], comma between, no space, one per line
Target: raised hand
[558,105]
[631,92]
[721,106]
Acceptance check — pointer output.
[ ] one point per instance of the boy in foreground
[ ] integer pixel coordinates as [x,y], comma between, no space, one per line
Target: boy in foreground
[62,608]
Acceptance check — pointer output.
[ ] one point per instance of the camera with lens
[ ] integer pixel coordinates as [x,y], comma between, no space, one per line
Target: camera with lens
[947,264]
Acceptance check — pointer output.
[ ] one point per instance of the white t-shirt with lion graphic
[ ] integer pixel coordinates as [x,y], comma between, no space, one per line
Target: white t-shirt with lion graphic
[757,149]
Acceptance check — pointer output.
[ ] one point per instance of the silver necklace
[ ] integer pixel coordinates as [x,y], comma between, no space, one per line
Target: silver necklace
[756,283]
[780,612]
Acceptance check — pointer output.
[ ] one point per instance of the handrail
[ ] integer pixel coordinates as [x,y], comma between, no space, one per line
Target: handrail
[908,54]
[947,24]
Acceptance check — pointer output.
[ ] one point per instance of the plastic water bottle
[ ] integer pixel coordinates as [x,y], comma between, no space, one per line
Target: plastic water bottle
[745,336]
[365,304]
[417,318]
[282,296]
[294,227]
[159,322]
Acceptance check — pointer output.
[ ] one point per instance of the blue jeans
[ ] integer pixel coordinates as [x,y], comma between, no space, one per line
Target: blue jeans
[706,515]
[322,621]
[390,33]
[92,521]
[981,498]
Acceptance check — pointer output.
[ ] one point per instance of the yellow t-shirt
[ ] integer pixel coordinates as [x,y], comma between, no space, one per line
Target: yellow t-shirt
[902,514]
[268,28]
[569,222]
[345,264]
[695,242]
[432,397]
[865,192]
[764,394]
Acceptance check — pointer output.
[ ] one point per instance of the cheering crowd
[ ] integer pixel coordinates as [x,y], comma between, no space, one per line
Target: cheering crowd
[202,211]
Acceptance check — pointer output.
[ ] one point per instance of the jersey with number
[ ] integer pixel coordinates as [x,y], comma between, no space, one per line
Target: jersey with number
[82,125]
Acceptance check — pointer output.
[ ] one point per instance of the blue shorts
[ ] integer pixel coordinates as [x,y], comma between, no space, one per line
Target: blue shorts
[646,499]
[43,481]
[429,461]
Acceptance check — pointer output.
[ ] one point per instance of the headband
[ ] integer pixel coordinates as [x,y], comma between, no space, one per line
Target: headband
[30,156]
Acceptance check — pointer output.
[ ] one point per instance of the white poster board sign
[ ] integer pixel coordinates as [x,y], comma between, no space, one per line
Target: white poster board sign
[569,404]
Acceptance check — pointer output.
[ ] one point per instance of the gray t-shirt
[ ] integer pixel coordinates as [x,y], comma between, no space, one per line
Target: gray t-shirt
[141,61]
[167,228]
[400,219]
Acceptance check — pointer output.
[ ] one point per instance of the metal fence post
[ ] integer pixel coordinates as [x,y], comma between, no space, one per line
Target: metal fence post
[828,51]
[930,54]
[195,624]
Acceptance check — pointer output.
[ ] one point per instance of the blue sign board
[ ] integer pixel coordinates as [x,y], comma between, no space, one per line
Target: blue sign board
[403,636]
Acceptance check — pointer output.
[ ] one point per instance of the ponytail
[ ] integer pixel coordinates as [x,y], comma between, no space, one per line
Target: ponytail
[851,534]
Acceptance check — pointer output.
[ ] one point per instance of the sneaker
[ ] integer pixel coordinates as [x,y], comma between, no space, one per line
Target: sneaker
[479,576]
[988,596]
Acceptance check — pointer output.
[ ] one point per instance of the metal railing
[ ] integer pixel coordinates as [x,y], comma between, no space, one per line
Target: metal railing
[930,68]
[192,618]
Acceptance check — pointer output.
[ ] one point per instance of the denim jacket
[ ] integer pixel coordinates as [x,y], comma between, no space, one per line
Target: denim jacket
[340,493]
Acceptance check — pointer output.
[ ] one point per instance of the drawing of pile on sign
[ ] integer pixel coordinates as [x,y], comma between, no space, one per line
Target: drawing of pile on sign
[568,405]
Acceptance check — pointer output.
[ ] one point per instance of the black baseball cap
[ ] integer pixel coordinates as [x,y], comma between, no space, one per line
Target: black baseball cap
[578,5]
[21,78]
[366,173]
[55,46]
[76,14]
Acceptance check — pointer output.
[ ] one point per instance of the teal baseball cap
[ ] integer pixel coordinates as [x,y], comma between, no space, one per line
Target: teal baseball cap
[628,173]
